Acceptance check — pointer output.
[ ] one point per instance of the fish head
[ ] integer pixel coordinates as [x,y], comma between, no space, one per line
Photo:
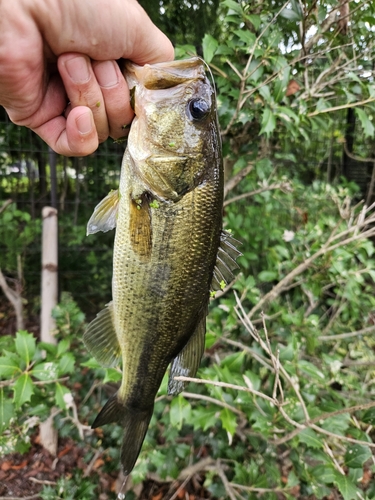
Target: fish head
[174,140]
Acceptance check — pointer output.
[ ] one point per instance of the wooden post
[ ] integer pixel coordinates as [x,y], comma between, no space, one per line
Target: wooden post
[52,165]
[48,434]
[49,274]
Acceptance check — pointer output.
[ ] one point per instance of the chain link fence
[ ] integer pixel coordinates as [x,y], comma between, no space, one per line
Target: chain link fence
[33,176]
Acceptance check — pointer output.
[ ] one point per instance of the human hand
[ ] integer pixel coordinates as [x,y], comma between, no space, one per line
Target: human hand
[57,51]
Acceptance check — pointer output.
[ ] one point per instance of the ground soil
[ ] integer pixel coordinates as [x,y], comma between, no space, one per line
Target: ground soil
[23,476]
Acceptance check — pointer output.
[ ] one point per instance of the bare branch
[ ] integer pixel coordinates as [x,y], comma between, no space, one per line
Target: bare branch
[245,72]
[355,157]
[343,106]
[42,481]
[260,490]
[15,299]
[324,27]
[37,495]
[326,248]
[226,385]
[325,416]
[224,480]
[236,179]
[217,402]
[284,186]
[190,470]
[5,205]
[348,335]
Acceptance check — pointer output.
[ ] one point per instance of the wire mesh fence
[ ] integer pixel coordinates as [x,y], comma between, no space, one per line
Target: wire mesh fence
[33,176]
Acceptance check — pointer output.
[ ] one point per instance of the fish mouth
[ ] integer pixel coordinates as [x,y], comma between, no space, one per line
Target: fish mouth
[164,75]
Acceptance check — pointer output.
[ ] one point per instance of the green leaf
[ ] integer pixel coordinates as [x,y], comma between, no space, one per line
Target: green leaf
[267,276]
[61,391]
[367,125]
[290,14]
[233,5]
[66,363]
[210,46]
[229,422]
[8,366]
[45,371]
[357,455]
[203,418]
[111,375]
[310,438]
[369,416]
[25,346]
[62,347]
[180,411]
[254,19]
[324,473]
[337,424]
[268,122]
[346,487]
[246,36]
[23,390]
[49,348]
[281,85]
[310,369]
[91,363]
[6,411]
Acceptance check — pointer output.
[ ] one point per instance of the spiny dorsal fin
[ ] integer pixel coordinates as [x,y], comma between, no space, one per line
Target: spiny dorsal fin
[101,340]
[187,362]
[104,217]
[225,261]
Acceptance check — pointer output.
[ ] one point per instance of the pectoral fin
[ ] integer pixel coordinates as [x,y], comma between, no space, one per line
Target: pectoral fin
[104,217]
[225,261]
[101,340]
[187,362]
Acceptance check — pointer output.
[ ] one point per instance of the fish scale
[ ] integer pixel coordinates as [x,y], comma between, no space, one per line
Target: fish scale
[168,218]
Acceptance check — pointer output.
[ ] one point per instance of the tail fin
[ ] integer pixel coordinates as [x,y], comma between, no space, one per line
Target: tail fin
[135,423]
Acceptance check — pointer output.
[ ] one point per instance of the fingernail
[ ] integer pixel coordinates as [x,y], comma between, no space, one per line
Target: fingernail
[106,74]
[85,123]
[78,69]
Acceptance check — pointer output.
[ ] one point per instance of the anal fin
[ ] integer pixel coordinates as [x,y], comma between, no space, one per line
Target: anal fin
[104,217]
[101,340]
[225,261]
[187,362]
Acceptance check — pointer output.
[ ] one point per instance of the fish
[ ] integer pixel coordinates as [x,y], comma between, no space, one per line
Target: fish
[170,250]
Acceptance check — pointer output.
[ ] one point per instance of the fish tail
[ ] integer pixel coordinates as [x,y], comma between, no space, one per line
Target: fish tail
[135,423]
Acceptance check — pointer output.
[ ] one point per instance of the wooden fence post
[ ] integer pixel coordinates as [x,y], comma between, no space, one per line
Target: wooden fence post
[49,274]
[48,434]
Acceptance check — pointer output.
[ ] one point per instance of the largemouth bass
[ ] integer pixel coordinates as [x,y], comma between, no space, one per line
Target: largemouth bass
[169,248]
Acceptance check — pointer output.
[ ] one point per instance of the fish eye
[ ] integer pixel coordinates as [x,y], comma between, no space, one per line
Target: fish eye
[198,109]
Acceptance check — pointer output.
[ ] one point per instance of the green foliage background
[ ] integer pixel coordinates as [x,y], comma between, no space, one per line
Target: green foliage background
[284,413]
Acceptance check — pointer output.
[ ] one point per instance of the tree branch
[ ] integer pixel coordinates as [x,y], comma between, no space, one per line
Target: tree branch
[326,248]
[282,185]
[343,106]
[15,299]
[348,335]
[236,179]
[5,205]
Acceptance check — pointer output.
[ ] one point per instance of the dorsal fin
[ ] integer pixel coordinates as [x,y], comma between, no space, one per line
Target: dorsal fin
[225,261]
